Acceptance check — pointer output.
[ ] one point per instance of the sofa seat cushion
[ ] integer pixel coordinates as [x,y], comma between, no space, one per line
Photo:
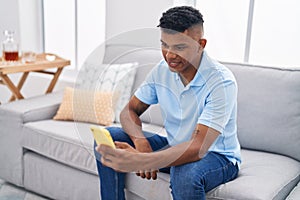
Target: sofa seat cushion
[64,141]
[262,176]
[67,142]
[149,189]
[56,180]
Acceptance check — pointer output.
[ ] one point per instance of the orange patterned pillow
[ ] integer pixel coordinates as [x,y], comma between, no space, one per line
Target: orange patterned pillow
[86,106]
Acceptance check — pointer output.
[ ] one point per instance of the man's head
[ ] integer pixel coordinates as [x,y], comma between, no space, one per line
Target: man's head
[180,19]
[182,37]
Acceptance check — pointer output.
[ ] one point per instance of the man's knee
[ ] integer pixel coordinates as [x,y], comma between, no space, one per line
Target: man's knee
[183,177]
[115,131]
[118,134]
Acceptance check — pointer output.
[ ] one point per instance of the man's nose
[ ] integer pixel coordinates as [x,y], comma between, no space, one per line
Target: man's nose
[171,54]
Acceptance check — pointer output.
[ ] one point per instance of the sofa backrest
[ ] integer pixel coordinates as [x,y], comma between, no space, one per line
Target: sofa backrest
[268,100]
[268,108]
[147,58]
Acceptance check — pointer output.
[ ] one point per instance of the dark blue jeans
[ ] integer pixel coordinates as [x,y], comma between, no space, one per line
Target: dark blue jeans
[188,181]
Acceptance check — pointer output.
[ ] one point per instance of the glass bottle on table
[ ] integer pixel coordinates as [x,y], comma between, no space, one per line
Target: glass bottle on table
[10,47]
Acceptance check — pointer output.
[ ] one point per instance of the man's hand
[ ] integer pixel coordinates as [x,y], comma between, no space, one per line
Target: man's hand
[142,145]
[119,159]
[127,159]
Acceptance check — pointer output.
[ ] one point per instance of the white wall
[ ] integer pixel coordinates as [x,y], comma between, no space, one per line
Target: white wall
[24,18]
[31,33]
[121,16]
[9,19]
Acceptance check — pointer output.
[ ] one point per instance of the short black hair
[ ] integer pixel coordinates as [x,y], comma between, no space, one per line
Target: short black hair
[180,18]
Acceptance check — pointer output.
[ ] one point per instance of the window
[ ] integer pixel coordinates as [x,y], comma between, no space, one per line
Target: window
[263,32]
[59,28]
[73,28]
[275,33]
[225,28]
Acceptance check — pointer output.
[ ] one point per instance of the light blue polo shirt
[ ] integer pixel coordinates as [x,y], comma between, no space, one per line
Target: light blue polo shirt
[209,99]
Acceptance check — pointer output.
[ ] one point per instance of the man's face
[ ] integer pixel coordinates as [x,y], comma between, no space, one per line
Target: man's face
[181,50]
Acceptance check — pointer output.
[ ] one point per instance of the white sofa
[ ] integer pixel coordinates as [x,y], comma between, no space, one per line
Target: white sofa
[55,158]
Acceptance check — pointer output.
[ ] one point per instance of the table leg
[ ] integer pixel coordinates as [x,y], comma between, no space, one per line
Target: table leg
[16,92]
[54,80]
[20,84]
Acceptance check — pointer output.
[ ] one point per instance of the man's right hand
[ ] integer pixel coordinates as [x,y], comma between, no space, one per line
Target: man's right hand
[142,145]
[148,174]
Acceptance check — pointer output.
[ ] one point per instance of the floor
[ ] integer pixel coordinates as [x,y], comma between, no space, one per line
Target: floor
[11,192]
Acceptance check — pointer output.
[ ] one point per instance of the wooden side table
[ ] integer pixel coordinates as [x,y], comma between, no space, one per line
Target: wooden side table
[43,62]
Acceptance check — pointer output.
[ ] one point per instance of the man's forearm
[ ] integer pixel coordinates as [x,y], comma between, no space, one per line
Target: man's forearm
[173,156]
[185,152]
[131,124]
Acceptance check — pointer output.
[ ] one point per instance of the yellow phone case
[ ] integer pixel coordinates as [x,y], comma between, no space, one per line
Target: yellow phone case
[102,136]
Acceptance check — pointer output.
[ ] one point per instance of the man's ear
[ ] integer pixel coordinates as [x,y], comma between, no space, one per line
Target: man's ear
[202,42]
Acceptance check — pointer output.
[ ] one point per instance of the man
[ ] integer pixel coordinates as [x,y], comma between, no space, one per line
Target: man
[198,98]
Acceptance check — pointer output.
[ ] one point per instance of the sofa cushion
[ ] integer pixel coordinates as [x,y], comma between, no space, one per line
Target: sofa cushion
[56,180]
[86,106]
[262,176]
[69,143]
[153,115]
[147,58]
[149,189]
[268,108]
[118,78]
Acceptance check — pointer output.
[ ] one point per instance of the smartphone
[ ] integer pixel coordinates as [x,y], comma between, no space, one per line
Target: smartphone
[102,136]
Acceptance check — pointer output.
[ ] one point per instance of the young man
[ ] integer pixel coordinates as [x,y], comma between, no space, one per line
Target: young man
[198,97]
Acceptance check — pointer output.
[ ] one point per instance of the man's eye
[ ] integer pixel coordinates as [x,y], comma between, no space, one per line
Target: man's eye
[180,48]
[164,45]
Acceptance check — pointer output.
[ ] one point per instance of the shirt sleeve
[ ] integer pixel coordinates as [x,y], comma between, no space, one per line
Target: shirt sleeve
[147,90]
[219,105]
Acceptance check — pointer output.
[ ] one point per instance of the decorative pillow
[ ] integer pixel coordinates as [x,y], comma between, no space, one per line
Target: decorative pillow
[86,106]
[117,78]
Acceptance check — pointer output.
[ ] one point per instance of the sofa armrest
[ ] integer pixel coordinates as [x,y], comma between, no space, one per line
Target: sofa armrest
[12,118]
[32,109]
